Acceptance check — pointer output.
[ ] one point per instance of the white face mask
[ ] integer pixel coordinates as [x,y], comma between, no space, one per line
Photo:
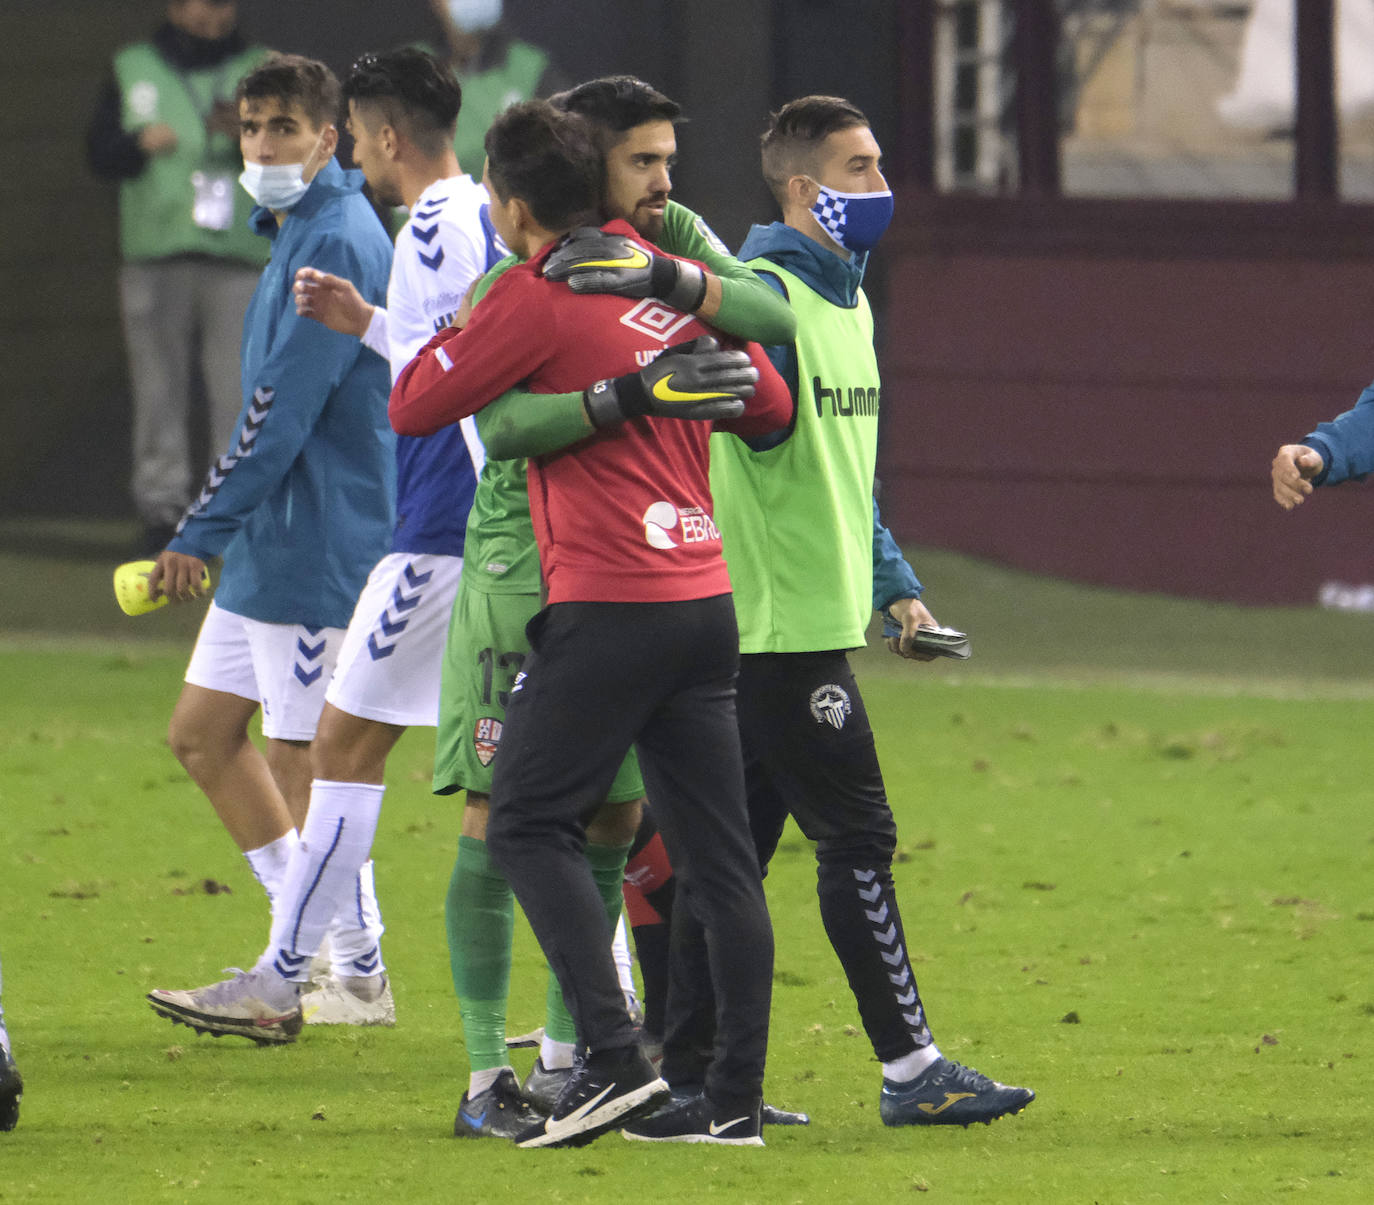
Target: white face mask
[277,186]
[474,16]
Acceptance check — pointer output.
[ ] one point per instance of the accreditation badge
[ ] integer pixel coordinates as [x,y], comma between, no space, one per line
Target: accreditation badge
[213,205]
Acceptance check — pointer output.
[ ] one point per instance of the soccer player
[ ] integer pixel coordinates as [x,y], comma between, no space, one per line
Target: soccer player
[403,106]
[11,1082]
[301,509]
[638,619]
[798,521]
[499,592]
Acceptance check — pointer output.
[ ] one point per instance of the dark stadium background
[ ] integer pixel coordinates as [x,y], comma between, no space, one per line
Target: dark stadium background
[1086,388]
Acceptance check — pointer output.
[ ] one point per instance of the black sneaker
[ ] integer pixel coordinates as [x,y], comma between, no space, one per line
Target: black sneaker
[699,1119]
[543,1085]
[11,1090]
[606,1089]
[499,1112]
[947,1094]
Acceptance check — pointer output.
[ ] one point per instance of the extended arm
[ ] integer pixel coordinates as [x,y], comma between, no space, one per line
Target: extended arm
[697,380]
[458,372]
[521,424]
[336,303]
[721,290]
[1341,450]
[1346,443]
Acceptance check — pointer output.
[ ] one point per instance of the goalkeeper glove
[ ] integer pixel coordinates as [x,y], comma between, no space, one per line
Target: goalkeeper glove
[696,380]
[592,261]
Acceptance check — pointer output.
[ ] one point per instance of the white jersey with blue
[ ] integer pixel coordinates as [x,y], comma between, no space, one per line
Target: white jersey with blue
[446,245]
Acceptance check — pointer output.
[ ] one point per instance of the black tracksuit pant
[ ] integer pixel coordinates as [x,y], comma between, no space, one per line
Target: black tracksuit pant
[809,753]
[661,676]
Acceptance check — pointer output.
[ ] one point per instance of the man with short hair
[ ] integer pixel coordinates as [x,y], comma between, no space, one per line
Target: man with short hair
[402,107]
[499,593]
[301,509]
[802,541]
[635,571]
[166,130]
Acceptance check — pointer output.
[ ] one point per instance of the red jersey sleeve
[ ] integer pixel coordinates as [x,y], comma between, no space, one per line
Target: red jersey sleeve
[772,406]
[456,373]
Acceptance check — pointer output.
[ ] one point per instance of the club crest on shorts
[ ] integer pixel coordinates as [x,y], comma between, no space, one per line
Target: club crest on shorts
[830,705]
[485,737]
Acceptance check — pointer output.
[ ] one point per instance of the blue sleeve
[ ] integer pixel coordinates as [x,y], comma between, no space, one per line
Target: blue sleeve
[304,364]
[893,578]
[1346,443]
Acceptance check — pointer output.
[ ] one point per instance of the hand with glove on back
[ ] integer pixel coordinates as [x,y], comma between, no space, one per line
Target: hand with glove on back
[597,261]
[694,380]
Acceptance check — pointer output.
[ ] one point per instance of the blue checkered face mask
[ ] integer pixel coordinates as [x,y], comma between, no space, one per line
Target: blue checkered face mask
[855,220]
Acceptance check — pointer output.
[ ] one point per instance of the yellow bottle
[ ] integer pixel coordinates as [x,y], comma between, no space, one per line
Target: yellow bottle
[131,588]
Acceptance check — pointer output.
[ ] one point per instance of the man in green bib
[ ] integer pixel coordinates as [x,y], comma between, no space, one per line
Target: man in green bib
[810,562]
[494,67]
[166,128]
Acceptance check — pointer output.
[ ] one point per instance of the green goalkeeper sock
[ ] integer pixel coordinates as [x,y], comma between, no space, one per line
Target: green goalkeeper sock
[608,870]
[480,914]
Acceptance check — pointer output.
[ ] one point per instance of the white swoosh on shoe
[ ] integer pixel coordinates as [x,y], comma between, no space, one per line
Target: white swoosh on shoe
[716,1130]
[556,1127]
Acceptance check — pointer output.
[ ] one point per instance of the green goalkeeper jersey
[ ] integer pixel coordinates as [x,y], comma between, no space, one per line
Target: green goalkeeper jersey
[500,556]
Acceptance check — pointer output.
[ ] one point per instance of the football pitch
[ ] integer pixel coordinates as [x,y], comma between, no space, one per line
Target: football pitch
[1134,867]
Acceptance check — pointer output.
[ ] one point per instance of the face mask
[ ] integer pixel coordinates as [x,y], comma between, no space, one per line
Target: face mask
[276,186]
[474,16]
[855,220]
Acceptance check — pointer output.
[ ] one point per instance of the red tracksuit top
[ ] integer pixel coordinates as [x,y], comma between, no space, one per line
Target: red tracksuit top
[624,515]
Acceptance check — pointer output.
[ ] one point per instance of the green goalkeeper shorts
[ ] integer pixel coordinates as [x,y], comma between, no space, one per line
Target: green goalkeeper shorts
[485,650]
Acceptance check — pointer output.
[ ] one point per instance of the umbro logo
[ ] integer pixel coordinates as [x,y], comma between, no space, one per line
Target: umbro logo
[651,317]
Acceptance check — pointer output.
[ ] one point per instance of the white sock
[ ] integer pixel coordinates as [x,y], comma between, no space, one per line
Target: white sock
[269,862]
[322,877]
[620,951]
[356,931]
[480,1081]
[556,1055]
[909,1066]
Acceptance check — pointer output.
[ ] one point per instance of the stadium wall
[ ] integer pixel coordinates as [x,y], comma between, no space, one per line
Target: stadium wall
[1095,390]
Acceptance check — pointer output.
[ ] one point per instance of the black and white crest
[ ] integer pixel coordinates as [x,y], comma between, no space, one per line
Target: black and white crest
[830,705]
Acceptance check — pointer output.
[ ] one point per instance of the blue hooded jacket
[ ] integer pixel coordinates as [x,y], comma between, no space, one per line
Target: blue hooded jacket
[1346,443]
[838,280]
[302,505]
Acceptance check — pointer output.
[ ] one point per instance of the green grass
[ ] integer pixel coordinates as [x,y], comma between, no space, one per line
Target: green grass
[1134,867]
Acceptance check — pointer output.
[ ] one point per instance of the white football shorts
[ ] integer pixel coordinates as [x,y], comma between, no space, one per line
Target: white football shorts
[393,653]
[283,667]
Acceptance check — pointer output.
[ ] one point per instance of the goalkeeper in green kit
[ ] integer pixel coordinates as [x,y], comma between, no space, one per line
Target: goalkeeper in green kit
[499,592]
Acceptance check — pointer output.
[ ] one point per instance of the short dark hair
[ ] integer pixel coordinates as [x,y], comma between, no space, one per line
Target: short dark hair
[413,91]
[295,79]
[548,159]
[792,141]
[614,104]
